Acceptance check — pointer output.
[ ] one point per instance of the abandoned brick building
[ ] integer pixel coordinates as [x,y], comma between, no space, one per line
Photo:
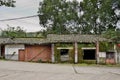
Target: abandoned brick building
[58,48]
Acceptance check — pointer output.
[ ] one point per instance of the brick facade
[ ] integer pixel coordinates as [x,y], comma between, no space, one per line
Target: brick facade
[35,53]
[110,61]
[21,55]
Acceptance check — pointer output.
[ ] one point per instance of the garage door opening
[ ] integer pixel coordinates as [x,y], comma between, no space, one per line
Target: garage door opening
[89,54]
[64,54]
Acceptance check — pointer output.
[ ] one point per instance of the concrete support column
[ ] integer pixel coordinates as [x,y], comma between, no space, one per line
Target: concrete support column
[53,52]
[116,56]
[97,52]
[0,51]
[76,52]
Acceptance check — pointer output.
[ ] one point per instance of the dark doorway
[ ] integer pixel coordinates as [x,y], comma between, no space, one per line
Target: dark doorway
[89,54]
[110,55]
[3,51]
[64,54]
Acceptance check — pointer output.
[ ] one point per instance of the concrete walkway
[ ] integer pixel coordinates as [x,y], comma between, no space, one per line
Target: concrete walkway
[11,70]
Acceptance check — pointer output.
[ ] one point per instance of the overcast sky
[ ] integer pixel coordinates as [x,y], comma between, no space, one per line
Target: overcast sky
[23,8]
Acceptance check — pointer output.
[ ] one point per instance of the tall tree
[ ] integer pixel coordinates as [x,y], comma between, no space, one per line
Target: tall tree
[59,15]
[86,17]
[112,34]
[8,3]
[99,15]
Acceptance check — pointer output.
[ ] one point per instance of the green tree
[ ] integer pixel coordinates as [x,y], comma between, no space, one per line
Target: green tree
[99,15]
[59,16]
[112,34]
[87,17]
[8,3]
[39,34]
[13,32]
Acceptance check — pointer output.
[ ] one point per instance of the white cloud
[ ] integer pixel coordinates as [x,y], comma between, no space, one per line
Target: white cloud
[23,8]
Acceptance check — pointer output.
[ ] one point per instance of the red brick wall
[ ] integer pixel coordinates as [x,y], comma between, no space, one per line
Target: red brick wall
[21,55]
[110,61]
[36,52]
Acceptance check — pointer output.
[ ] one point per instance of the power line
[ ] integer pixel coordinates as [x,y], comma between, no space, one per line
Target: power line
[19,18]
[23,6]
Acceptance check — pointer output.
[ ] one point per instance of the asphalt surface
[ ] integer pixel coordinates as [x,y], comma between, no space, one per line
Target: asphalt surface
[12,70]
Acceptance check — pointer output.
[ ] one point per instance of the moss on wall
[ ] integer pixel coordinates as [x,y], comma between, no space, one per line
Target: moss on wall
[86,45]
[106,46]
[80,55]
[64,44]
[71,52]
[71,55]
[80,51]
[57,53]
[102,60]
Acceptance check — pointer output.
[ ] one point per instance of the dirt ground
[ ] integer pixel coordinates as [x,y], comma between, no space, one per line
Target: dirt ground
[12,70]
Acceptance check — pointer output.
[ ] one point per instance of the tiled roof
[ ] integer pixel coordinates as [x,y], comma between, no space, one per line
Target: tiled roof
[75,38]
[22,41]
[53,38]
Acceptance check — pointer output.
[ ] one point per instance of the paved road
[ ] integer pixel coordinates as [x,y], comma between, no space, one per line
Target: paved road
[11,70]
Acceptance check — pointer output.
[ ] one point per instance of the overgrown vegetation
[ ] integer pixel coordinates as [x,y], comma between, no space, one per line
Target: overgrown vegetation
[57,53]
[86,17]
[18,32]
[71,52]
[80,52]
[80,55]
[96,65]
[13,32]
[71,55]
[106,46]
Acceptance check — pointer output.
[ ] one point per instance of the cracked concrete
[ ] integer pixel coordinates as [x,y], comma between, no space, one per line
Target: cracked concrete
[11,70]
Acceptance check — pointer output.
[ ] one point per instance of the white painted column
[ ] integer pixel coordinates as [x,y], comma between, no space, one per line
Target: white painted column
[97,52]
[76,52]
[119,57]
[0,50]
[53,52]
[116,56]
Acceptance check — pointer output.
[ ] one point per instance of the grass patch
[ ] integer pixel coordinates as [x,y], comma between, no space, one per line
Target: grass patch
[85,64]
[98,65]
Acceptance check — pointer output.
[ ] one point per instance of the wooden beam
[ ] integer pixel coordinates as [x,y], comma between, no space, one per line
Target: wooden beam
[64,47]
[76,52]
[53,52]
